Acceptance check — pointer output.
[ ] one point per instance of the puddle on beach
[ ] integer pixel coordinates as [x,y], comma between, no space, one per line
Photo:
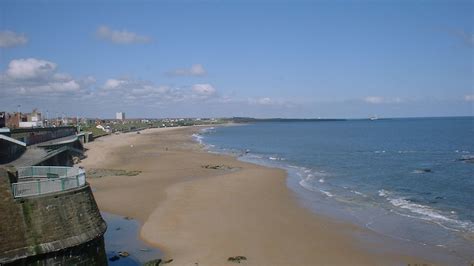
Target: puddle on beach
[123,235]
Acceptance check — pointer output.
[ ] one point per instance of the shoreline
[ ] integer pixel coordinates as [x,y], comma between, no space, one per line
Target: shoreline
[197,214]
[123,235]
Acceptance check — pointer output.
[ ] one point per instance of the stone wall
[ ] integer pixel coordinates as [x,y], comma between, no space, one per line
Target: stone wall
[48,223]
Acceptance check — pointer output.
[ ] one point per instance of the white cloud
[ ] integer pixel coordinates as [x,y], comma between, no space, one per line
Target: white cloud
[204,89]
[62,76]
[11,39]
[146,93]
[265,101]
[382,100]
[196,70]
[374,99]
[31,76]
[70,85]
[469,98]
[111,84]
[30,68]
[120,36]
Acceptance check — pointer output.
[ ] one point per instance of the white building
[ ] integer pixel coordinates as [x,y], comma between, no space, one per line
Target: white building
[120,116]
[31,124]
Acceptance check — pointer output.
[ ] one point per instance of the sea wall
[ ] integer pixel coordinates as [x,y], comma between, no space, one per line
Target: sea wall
[37,135]
[49,223]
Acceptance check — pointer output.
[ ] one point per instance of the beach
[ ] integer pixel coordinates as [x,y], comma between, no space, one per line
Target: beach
[200,207]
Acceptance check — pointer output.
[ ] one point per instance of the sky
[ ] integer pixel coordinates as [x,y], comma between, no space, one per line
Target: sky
[291,59]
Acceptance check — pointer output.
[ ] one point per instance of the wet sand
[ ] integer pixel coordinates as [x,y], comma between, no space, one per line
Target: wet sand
[197,214]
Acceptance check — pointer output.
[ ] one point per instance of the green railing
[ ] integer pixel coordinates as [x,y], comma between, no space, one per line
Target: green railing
[39,180]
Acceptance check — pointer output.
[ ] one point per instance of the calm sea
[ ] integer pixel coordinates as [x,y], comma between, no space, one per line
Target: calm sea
[405,179]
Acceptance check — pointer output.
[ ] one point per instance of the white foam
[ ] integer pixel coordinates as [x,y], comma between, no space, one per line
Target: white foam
[406,151]
[327,193]
[321,180]
[207,129]
[198,138]
[383,193]
[426,212]
[418,208]
[359,193]
[273,158]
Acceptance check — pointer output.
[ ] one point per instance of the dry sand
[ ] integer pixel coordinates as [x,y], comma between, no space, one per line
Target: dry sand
[203,215]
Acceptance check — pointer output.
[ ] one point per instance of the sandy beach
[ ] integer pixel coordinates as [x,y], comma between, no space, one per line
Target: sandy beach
[198,214]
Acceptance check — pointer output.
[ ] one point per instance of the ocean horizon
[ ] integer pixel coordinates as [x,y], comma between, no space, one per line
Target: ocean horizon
[409,180]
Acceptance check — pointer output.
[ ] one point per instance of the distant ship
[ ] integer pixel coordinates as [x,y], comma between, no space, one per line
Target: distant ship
[372,118]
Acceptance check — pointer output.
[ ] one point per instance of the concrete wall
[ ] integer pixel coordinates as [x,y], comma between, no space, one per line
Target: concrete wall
[49,223]
[36,135]
[10,151]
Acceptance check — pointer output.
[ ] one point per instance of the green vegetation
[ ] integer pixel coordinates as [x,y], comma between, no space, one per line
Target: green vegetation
[131,125]
[96,132]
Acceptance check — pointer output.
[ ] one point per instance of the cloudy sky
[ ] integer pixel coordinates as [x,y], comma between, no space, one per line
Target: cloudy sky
[238,58]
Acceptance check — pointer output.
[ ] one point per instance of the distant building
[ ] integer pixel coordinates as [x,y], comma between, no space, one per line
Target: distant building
[13,120]
[33,119]
[120,116]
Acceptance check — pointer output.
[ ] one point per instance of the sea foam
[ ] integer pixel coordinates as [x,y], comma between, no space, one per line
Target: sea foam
[427,213]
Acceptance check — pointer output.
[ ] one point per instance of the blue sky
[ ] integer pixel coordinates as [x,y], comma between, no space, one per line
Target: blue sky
[238,58]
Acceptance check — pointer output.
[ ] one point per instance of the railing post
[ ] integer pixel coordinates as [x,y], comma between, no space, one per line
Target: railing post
[39,186]
[77,180]
[62,184]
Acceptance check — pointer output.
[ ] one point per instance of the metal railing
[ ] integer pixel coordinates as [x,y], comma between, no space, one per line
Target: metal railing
[39,180]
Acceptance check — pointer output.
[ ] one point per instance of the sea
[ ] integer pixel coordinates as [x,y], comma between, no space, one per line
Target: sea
[408,181]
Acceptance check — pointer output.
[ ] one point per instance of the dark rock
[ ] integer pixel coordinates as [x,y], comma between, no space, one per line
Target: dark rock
[467,159]
[123,254]
[236,259]
[153,262]
[167,261]
[423,170]
[114,258]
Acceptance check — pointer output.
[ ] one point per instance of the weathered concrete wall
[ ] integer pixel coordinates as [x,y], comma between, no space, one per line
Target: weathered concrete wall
[62,159]
[10,151]
[91,253]
[36,135]
[43,224]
